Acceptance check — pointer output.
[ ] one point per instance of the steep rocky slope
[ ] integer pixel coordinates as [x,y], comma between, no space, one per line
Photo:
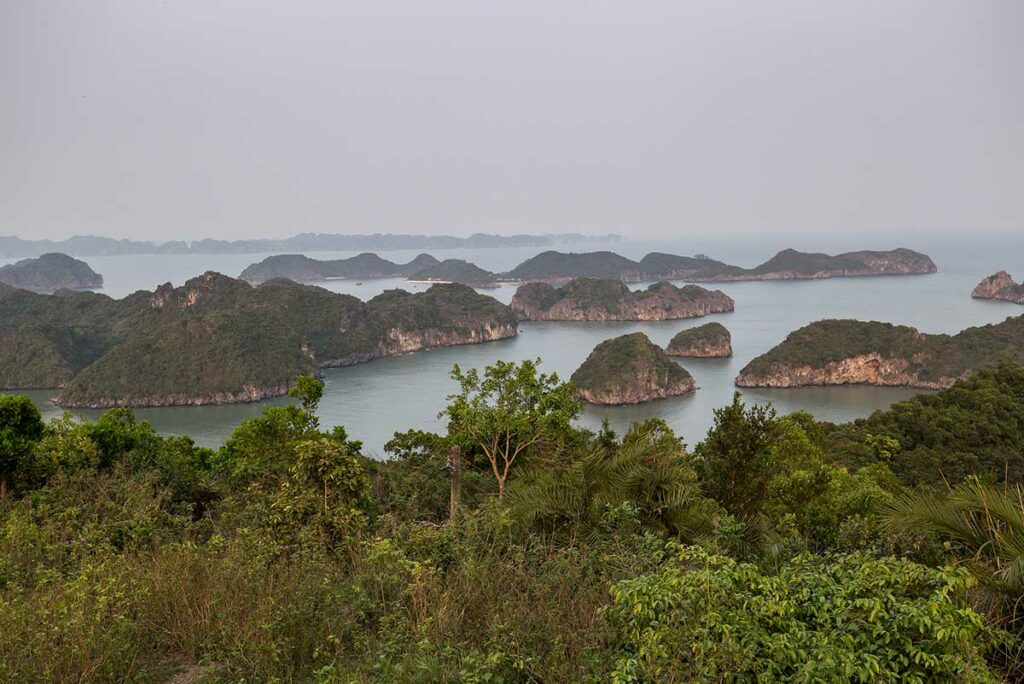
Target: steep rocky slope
[1000,286]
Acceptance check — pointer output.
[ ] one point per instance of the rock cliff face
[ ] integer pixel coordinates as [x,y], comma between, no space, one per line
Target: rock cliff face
[630,370]
[856,352]
[1000,286]
[400,342]
[705,341]
[591,299]
[865,369]
[49,273]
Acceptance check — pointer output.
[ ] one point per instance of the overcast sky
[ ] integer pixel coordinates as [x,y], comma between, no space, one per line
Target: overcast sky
[160,119]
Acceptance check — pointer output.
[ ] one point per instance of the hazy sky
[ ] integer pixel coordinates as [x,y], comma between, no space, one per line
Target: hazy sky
[166,119]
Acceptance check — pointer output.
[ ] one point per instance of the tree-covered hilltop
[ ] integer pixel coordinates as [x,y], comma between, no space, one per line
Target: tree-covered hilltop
[49,273]
[593,299]
[836,352]
[703,341]
[974,427]
[1000,286]
[630,370]
[216,339]
[788,264]
[456,271]
[303,269]
[513,546]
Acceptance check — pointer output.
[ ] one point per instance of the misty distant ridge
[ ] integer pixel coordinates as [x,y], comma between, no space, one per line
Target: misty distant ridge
[91,245]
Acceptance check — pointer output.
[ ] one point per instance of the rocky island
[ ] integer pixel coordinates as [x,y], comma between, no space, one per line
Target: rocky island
[711,340]
[220,340]
[600,299]
[303,269]
[456,271]
[788,264]
[1000,286]
[630,370]
[49,273]
[845,352]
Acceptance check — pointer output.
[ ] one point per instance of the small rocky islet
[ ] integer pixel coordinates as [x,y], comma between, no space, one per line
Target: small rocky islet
[601,299]
[630,369]
[49,273]
[1000,286]
[711,340]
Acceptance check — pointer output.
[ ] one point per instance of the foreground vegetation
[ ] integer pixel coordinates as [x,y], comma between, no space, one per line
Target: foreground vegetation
[516,547]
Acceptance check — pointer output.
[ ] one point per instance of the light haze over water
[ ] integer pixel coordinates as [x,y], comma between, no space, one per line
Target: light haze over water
[375,399]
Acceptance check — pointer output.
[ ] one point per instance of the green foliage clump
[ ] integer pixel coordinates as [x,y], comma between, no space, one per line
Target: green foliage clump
[977,426]
[842,618]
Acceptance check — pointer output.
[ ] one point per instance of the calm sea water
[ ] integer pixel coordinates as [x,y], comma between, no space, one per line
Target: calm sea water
[374,400]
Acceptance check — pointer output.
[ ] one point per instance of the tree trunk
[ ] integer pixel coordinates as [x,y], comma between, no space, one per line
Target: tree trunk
[501,489]
[3,486]
[455,466]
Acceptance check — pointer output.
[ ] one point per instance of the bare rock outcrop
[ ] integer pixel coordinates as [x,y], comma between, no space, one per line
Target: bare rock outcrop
[1000,286]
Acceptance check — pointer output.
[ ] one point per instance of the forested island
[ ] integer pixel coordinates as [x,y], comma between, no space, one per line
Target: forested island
[788,264]
[1000,286]
[93,245]
[560,267]
[216,339]
[303,269]
[630,370]
[513,546]
[456,271]
[49,273]
[596,299]
[711,340]
[841,352]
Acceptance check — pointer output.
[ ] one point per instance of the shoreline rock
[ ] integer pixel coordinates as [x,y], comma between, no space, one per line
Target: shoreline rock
[1000,286]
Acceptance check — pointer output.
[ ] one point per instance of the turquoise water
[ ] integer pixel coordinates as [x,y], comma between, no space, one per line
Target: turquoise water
[374,400]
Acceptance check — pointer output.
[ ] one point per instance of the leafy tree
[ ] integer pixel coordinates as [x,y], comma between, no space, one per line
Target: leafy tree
[309,390]
[646,475]
[509,412]
[20,427]
[737,457]
[326,495]
[841,618]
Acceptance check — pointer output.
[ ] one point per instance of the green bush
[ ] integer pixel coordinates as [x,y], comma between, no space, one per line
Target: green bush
[841,618]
